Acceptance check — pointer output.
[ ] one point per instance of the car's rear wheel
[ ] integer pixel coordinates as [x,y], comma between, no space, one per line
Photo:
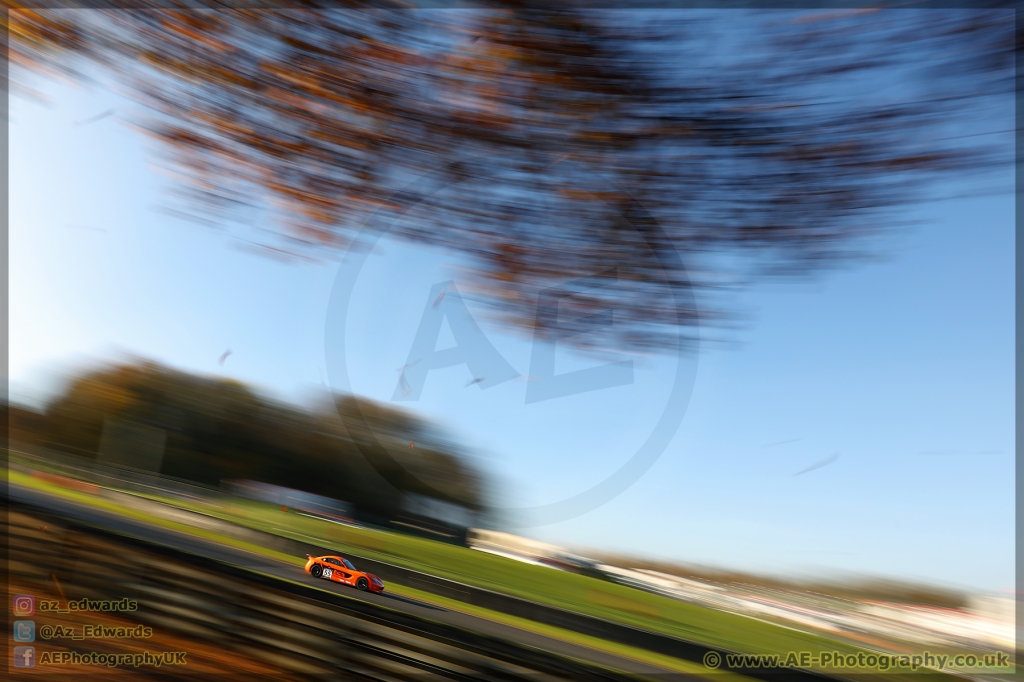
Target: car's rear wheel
[361,584]
[316,571]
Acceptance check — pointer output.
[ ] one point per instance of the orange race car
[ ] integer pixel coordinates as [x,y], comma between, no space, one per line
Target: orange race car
[340,570]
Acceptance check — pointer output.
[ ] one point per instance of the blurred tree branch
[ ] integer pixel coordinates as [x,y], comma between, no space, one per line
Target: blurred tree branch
[580,141]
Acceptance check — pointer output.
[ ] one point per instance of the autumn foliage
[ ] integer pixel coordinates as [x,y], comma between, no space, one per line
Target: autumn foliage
[662,150]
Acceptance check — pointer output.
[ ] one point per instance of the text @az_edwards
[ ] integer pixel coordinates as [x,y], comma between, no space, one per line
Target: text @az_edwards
[95,632]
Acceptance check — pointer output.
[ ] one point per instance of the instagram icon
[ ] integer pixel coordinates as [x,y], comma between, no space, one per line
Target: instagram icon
[24,604]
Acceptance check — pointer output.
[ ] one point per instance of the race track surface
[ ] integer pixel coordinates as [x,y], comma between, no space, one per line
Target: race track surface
[237,557]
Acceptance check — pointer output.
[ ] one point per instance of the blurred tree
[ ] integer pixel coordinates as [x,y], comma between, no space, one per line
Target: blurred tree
[434,468]
[218,429]
[583,142]
[26,426]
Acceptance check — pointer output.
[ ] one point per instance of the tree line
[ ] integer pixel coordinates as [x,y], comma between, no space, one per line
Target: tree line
[341,446]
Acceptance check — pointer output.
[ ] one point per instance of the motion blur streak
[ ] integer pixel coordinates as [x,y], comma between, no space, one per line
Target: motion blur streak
[647,153]
[780,137]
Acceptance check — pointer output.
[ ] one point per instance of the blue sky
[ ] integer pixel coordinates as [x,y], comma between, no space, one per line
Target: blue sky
[904,368]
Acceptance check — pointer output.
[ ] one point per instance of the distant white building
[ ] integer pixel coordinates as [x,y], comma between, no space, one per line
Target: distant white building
[989,622]
[994,607]
[529,551]
[507,543]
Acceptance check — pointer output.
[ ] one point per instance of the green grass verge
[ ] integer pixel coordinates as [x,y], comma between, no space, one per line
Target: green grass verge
[666,662]
[573,592]
[569,591]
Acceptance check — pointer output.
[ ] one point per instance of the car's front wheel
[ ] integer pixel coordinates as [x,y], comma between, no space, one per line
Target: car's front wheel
[316,571]
[361,584]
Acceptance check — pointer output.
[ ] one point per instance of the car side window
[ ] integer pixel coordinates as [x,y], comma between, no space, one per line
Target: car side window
[332,561]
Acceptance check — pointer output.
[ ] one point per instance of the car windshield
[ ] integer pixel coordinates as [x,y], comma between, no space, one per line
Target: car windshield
[349,564]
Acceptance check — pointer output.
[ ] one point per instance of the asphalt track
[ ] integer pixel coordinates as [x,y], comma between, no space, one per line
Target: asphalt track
[238,557]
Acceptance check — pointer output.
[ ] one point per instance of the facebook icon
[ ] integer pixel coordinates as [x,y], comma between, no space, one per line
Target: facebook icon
[24,656]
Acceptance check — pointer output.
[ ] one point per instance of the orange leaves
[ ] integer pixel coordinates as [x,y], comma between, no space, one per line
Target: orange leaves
[584,195]
[575,194]
[326,117]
